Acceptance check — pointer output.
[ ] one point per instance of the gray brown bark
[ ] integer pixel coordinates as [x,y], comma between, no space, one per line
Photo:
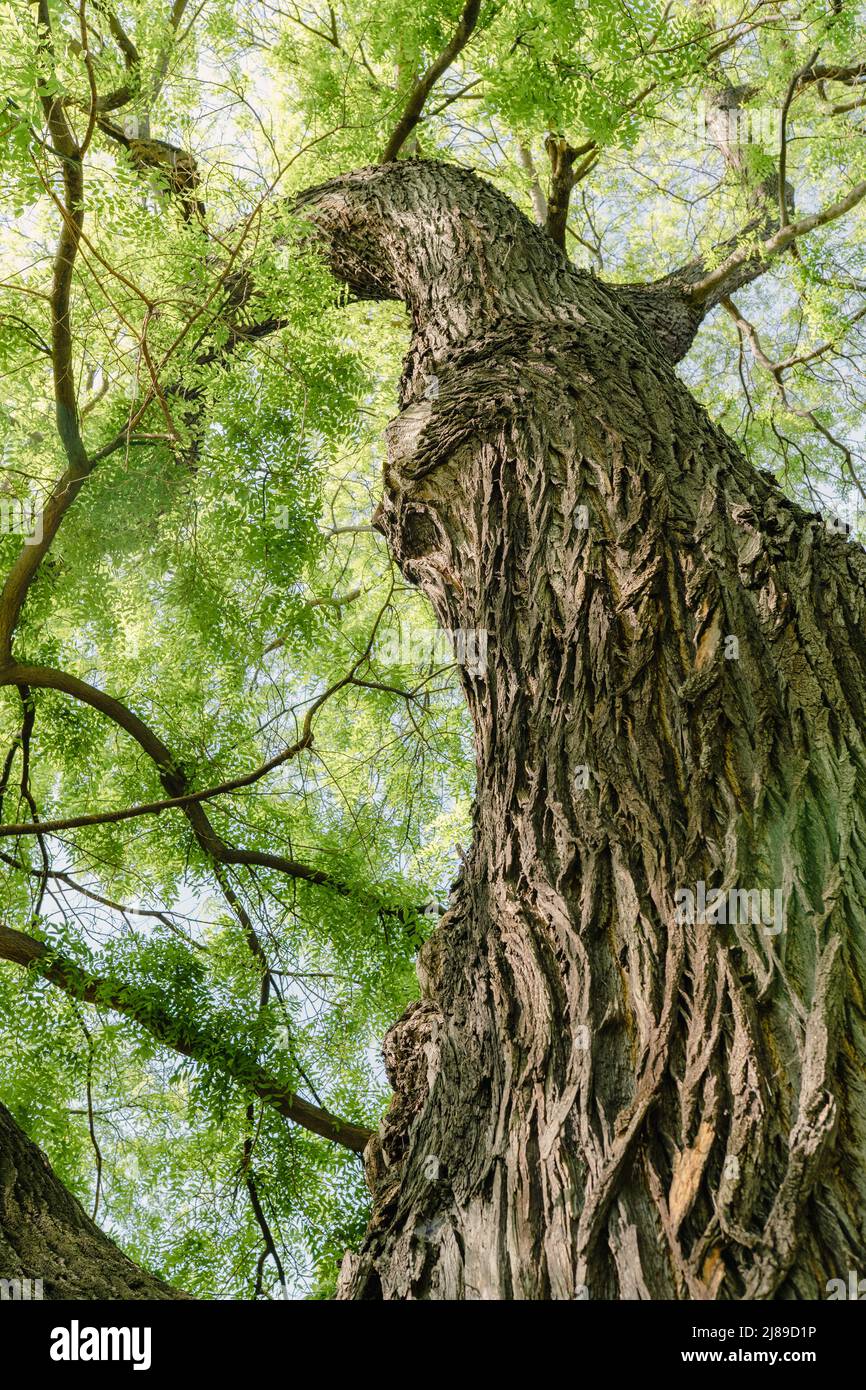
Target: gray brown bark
[594,1098]
[45,1234]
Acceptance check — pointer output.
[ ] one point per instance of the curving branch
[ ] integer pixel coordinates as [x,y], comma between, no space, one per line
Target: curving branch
[181,1035]
[776,370]
[122,95]
[172,776]
[155,808]
[849,74]
[79,465]
[678,302]
[748,261]
[425,84]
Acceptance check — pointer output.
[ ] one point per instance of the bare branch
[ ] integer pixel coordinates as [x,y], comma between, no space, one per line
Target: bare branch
[563,176]
[539,205]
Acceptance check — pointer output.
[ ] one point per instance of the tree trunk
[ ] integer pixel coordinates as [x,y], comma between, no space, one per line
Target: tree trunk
[49,1247]
[600,1094]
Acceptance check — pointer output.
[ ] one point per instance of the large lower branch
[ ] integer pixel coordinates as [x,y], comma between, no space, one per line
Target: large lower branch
[769,229]
[46,1235]
[182,1035]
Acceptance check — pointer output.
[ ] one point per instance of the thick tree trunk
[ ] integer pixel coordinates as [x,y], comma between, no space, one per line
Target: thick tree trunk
[595,1097]
[49,1247]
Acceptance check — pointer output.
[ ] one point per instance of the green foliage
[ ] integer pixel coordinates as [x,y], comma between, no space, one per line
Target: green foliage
[207,575]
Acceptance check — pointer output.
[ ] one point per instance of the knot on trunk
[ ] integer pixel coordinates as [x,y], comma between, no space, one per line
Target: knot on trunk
[411,1055]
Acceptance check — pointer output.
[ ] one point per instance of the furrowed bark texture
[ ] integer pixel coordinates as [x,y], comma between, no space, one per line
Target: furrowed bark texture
[46,1234]
[593,1098]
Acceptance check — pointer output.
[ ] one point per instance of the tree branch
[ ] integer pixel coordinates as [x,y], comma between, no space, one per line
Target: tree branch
[539,205]
[171,774]
[181,1036]
[79,465]
[746,263]
[425,84]
[692,290]
[155,808]
[563,177]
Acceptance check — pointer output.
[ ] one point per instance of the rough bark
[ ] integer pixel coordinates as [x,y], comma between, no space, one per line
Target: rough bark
[592,1097]
[46,1235]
